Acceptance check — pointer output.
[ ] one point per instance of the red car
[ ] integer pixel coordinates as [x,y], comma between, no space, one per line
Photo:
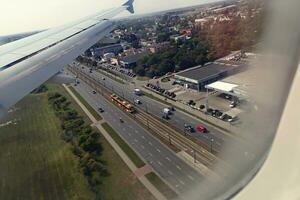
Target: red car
[201,129]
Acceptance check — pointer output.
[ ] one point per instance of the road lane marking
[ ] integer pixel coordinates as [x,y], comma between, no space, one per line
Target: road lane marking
[190,177]
[168,159]
[159,163]
[150,154]
[143,137]
[178,167]
[158,150]
[181,182]
[169,172]
[142,147]
[136,140]
[150,143]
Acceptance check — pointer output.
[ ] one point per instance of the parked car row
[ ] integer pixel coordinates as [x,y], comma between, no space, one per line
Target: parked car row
[220,115]
[161,90]
[120,70]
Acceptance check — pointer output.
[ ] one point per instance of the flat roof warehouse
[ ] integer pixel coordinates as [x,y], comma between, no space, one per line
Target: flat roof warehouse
[203,75]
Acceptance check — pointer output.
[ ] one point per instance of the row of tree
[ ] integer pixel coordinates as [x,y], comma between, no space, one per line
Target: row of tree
[85,143]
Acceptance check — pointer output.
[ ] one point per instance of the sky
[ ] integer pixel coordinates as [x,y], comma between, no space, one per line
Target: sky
[18,16]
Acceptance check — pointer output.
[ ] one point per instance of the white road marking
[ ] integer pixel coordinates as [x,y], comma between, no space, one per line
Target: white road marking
[159,163]
[190,177]
[158,150]
[136,131]
[181,182]
[129,134]
[168,159]
[178,167]
[142,147]
[143,137]
[150,154]
[136,140]
[169,172]
[150,143]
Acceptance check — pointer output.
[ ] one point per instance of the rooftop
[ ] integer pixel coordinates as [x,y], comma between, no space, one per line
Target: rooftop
[222,86]
[203,72]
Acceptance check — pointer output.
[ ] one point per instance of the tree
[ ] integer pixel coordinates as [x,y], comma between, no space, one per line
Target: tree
[139,70]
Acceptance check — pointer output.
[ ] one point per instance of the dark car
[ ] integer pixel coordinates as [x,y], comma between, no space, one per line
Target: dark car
[94,92]
[165,116]
[100,110]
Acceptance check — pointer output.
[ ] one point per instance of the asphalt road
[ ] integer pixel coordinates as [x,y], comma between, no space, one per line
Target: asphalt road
[180,176]
[214,139]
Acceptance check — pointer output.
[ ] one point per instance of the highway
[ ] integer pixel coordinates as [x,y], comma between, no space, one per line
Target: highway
[172,169]
[177,119]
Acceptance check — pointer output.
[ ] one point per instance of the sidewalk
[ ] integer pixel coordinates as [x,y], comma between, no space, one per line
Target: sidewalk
[157,194]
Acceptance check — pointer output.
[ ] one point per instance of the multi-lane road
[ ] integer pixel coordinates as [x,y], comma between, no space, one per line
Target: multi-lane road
[180,176]
[214,139]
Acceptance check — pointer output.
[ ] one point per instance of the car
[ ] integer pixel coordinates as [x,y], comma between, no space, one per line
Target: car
[100,110]
[202,107]
[165,116]
[189,128]
[232,105]
[94,92]
[137,101]
[172,108]
[103,78]
[201,129]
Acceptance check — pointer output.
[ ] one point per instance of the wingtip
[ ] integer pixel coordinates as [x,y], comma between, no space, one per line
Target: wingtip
[129,5]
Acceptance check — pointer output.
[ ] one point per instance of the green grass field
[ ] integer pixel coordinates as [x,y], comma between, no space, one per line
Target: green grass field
[35,163]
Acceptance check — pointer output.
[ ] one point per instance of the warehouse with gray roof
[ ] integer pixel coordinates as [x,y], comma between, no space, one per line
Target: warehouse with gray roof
[200,76]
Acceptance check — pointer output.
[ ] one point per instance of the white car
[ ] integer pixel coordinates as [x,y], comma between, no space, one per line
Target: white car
[137,101]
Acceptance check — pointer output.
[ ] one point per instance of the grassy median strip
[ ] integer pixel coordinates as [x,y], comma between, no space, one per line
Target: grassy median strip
[86,104]
[161,186]
[123,145]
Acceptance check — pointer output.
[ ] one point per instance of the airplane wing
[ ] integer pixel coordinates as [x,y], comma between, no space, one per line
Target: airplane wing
[27,63]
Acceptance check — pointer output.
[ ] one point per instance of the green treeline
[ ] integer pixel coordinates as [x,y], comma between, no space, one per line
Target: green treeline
[85,143]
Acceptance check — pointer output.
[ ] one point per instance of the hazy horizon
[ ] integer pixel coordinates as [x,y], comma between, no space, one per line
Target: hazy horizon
[20,16]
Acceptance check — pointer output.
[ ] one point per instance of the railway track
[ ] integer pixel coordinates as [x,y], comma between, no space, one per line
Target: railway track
[170,135]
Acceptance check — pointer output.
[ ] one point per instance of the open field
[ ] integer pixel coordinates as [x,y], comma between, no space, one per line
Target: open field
[35,162]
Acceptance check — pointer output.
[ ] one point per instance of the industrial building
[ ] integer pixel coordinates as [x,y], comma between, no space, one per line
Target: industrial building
[114,48]
[200,76]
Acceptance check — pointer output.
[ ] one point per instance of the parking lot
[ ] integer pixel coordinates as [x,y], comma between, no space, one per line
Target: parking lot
[124,73]
[218,103]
